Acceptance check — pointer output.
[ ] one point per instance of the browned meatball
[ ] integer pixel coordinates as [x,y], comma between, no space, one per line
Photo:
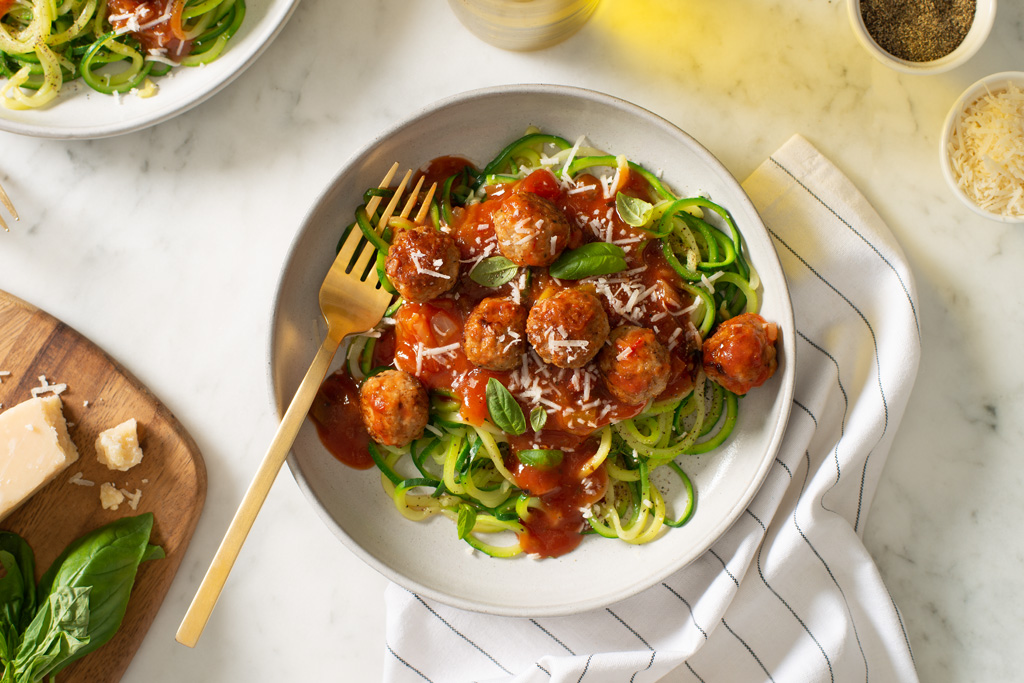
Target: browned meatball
[494,335]
[568,329]
[635,365]
[422,264]
[740,354]
[395,407]
[531,230]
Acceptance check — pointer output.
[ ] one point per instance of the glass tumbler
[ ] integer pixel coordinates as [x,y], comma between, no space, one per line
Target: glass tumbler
[523,24]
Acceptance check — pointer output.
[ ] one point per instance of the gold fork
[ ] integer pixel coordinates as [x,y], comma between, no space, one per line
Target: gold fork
[6,202]
[351,301]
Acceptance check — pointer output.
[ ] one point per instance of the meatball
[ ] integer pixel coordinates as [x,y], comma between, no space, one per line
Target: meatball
[395,407]
[494,335]
[740,354]
[635,365]
[531,230]
[422,263]
[568,329]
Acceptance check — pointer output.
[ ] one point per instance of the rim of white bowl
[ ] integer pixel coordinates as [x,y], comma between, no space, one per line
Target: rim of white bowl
[969,95]
[984,18]
[278,404]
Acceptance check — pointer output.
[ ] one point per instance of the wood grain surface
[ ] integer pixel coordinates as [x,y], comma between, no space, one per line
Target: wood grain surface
[172,476]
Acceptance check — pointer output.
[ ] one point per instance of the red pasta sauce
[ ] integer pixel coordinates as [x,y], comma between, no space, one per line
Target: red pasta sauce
[426,342]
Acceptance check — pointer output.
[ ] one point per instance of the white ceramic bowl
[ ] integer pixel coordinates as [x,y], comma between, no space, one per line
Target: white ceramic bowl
[426,557]
[984,17]
[993,83]
[79,112]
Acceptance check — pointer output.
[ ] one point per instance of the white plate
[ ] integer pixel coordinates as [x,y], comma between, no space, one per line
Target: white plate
[80,112]
[426,557]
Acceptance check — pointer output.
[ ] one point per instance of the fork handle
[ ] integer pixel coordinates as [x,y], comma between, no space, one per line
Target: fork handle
[209,590]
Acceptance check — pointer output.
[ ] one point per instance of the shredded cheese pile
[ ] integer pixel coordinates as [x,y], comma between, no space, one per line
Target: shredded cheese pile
[986,151]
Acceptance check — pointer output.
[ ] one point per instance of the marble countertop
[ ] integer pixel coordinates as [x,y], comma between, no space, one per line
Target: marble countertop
[164,246]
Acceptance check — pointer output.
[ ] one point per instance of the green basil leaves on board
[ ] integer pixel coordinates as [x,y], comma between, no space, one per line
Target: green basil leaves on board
[493,272]
[595,258]
[79,602]
[504,409]
[633,211]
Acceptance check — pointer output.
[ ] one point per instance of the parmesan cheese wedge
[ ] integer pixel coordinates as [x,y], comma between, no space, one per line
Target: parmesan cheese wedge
[34,448]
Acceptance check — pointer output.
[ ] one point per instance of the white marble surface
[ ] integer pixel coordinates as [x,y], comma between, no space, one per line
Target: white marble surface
[163,247]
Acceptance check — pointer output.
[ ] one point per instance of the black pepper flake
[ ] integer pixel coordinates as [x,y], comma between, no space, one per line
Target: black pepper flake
[918,30]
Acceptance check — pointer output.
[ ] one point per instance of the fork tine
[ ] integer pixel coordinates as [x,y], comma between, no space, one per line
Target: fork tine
[6,201]
[390,209]
[425,207]
[9,205]
[374,202]
[363,261]
[348,249]
[413,196]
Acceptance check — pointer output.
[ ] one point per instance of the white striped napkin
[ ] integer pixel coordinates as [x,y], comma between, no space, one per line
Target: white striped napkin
[789,593]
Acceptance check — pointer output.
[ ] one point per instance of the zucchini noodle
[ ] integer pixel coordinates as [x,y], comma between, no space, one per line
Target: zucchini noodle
[461,468]
[44,44]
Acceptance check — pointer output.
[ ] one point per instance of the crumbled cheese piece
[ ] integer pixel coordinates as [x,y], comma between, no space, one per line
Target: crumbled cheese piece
[78,480]
[132,497]
[110,496]
[118,447]
[45,387]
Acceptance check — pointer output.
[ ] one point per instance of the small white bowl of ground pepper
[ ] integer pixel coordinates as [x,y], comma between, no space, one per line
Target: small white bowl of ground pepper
[982,147]
[922,36]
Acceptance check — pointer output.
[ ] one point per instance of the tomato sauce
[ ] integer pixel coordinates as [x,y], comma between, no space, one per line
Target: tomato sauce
[565,491]
[335,412]
[150,21]
[5,6]
[426,341]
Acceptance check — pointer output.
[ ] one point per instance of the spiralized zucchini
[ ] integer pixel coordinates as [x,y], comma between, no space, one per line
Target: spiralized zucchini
[458,469]
[46,43]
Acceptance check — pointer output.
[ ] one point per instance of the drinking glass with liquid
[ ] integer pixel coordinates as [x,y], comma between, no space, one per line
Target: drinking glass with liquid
[523,24]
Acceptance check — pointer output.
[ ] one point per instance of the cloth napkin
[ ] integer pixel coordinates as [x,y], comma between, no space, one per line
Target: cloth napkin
[789,593]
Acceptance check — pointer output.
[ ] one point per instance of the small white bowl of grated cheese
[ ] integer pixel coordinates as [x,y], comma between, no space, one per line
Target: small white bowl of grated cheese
[982,148]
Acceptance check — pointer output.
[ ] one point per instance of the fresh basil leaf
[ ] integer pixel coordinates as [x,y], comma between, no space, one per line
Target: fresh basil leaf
[153,552]
[58,634]
[595,258]
[493,272]
[504,409]
[466,521]
[17,587]
[541,458]
[105,561]
[538,418]
[633,210]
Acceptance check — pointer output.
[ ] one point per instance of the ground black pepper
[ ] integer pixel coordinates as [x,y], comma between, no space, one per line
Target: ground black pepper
[918,30]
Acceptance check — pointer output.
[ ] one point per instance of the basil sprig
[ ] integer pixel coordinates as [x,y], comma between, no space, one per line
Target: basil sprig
[79,602]
[504,409]
[466,520]
[541,458]
[538,418]
[633,210]
[493,272]
[595,258]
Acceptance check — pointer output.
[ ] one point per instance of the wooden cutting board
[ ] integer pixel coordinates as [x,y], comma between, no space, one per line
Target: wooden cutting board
[172,476]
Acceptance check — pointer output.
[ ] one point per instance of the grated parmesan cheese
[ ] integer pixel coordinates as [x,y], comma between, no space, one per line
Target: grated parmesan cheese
[986,151]
[45,388]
